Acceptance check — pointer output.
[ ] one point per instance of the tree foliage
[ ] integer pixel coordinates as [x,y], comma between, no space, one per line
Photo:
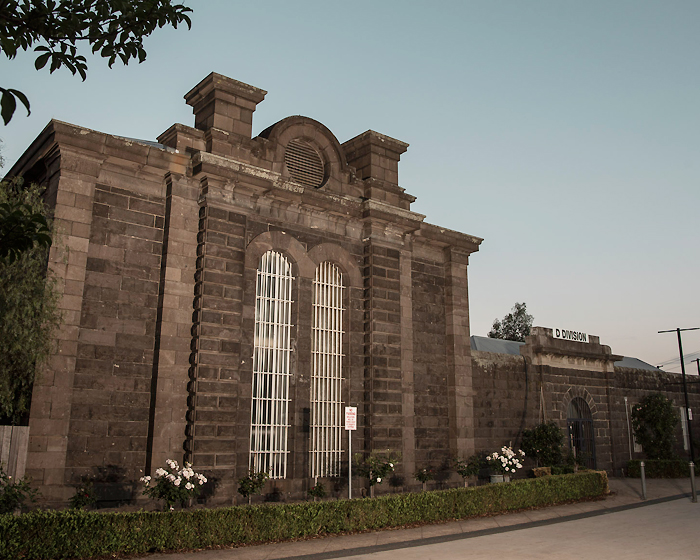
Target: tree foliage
[654,421]
[28,311]
[55,29]
[21,228]
[514,326]
[544,444]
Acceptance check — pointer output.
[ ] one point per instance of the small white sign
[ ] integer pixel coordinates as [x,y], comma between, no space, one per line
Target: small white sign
[690,414]
[351,418]
[576,336]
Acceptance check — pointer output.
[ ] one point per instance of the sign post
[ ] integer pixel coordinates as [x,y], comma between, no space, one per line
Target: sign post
[350,425]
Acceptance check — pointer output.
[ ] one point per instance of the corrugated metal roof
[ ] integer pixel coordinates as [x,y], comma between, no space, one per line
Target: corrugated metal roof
[635,363]
[495,345]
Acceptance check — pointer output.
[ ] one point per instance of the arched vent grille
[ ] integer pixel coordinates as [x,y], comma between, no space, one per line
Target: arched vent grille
[304,164]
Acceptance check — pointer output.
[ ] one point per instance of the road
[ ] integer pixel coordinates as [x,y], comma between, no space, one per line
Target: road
[666,531]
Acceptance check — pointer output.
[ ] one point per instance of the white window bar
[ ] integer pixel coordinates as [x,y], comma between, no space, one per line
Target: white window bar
[269,422]
[327,374]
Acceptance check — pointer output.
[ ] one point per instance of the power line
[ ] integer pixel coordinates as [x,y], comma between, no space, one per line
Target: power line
[686,358]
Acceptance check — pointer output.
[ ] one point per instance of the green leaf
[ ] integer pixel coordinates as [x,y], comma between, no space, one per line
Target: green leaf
[7,105]
[41,61]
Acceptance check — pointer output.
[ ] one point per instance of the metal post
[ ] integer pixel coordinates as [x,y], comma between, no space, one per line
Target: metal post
[644,481]
[688,414]
[694,494]
[349,464]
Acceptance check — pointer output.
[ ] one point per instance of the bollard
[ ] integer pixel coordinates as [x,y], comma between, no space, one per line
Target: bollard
[694,494]
[644,481]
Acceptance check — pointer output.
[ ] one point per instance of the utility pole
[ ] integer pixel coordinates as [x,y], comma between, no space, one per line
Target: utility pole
[688,413]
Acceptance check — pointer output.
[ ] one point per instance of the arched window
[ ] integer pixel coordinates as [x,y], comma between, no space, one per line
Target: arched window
[327,372]
[581,435]
[271,356]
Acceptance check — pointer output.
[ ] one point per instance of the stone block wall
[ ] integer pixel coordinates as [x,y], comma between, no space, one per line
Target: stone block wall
[506,400]
[510,397]
[432,430]
[112,384]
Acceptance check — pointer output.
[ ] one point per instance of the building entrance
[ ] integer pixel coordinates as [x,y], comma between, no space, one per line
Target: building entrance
[581,436]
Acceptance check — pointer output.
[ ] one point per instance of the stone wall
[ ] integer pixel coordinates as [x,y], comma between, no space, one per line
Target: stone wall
[432,430]
[511,395]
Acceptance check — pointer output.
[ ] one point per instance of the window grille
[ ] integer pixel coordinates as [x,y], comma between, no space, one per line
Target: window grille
[304,164]
[272,348]
[327,373]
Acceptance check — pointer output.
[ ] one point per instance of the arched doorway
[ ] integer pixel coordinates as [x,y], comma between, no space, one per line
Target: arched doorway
[581,437]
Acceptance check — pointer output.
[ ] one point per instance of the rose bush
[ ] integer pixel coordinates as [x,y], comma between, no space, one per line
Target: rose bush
[173,484]
[507,461]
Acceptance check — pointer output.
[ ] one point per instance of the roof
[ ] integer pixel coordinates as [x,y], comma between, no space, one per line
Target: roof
[495,345]
[635,363]
[498,346]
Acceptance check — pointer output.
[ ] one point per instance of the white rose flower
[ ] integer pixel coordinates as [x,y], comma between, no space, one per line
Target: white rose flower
[379,480]
[177,481]
[189,486]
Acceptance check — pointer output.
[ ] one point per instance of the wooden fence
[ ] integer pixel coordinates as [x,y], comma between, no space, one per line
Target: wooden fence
[14,443]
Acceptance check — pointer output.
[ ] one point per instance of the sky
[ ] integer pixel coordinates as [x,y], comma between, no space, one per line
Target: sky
[565,134]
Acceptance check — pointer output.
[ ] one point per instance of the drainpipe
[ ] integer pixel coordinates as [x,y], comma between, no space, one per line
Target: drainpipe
[629,431]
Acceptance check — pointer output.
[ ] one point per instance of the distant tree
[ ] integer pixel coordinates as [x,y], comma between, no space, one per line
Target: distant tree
[114,28]
[28,309]
[514,326]
[654,421]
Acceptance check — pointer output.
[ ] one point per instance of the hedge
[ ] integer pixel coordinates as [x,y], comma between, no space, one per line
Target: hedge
[656,468]
[79,534]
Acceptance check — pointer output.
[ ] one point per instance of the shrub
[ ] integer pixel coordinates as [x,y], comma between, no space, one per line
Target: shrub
[562,469]
[544,443]
[654,420]
[252,484]
[173,484]
[468,467]
[80,534]
[13,493]
[84,495]
[376,466]
[675,468]
[317,492]
[424,475]
[507,461]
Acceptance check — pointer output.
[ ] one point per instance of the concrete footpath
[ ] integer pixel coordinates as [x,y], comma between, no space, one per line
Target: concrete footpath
[607,528]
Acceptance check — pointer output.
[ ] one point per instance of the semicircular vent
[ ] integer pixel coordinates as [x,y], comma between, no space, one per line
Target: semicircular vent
[304,163]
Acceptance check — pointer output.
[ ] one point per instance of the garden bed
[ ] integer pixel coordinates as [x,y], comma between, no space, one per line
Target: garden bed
[79,534]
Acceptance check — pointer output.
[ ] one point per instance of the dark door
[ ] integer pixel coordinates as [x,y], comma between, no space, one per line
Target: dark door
[581,435]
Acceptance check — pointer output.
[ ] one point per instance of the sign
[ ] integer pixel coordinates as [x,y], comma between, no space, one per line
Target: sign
[351,418]
[564,334]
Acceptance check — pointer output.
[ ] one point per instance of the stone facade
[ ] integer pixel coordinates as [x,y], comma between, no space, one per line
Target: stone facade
[159,259]
[516,392]
[161,244]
